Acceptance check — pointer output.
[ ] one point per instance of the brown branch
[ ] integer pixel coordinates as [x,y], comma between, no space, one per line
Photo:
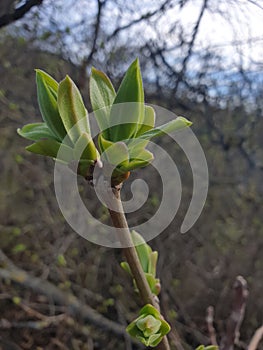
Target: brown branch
[18,13]
[145,16]
[87,60]
[253,345]
[191,45]
[120,222]
[48,321]
[210,325]
[75,308]
[236,317]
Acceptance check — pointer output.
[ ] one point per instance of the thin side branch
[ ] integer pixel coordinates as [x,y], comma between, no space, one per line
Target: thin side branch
[19,12]
[75,308]
[191,45]
[253,345]
[236,317]
[143,17]
[210,325]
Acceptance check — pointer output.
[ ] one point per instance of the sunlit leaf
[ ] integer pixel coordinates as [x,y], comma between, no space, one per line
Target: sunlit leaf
[176,124]
[103,143]
[102,95]
[85,148]
[72,109]
[50,82]
[148,120]
[130,90]
[143,159]
[36,131]
[116,154]
[126,267]
[149,327]
[50,148]
[142,248]
[47,100]
[153,257]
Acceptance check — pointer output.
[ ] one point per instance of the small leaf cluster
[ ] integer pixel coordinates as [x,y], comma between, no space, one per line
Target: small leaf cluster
[126,124]
[148,260]
[209,347]
[150,327]
[65,124]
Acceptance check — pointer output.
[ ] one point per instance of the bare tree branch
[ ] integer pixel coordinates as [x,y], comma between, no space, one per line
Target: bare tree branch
[236,317]
[86,61]
[18,13]
[145,16]
[210,325]
[75,307]
[253,345]
[191,45]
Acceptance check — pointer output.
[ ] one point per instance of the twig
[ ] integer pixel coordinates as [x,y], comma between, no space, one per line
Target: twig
[122,320]
[191,45]
[54,320]
[236,317]
[120,222]
[145,16]
[174,336]
[19,12]
[210,325]
[258,335]
[75,307]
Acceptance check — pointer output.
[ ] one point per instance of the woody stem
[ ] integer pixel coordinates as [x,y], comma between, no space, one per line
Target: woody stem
[120,223]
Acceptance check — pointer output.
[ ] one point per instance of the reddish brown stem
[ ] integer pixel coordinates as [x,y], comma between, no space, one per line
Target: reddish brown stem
[120,222]
[210,325]
[236,317]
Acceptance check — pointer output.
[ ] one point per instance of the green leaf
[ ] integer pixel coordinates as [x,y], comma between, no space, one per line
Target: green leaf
[126,267]
[21,247]
[61,260]
[85,148]
[148,309]
[154,283]
[148,325]
[104,143]
[102,95]
[143,156]
[50,82]
[72,109]
[36,131]
[154,340]
[142,248]
[165,327]
[176,124]
[152,263]
[130,90]
[136,146]
[116,154]
[143,159]
[47,100]
[86,167]
[133,330]
[149,322]
[50,148]
[148,121]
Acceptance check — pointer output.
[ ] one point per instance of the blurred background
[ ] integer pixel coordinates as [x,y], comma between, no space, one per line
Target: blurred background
[200,59]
